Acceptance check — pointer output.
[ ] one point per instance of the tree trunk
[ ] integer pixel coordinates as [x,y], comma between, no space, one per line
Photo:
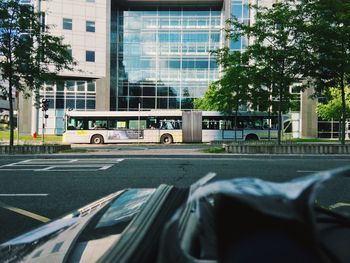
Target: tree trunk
[236,113]
[343,119]
[279,116]
[11,112]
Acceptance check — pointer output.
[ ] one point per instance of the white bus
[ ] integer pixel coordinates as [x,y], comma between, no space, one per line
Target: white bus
[167,126]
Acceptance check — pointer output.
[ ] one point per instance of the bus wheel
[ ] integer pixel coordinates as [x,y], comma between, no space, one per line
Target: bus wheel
[166,139]
[251,137]
[97,139]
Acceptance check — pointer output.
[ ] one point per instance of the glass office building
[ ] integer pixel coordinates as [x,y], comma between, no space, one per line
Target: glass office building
[160,57]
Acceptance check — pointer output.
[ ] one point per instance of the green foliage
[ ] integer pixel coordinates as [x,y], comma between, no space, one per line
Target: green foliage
[262,74]
[233,89]
[214,150]
[332,109]
[328,31]
[29,55]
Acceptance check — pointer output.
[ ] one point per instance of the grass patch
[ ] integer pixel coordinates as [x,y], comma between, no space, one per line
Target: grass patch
[26,139]
[214,150]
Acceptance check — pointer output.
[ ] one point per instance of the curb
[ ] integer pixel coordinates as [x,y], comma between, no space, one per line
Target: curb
[180,156]
[288,149]
[32,149]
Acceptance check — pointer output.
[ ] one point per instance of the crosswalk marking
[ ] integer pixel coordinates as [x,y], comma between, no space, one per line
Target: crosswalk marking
[54,165]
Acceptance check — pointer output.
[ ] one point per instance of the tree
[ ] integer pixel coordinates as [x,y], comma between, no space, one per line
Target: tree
[29,55]
[276,51]
[328,31]
[233,89]
[333,108]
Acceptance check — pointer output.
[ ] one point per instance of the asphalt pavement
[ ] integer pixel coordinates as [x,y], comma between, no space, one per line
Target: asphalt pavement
[38,188]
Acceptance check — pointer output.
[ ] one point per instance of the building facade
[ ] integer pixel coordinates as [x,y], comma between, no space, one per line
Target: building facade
[152,54]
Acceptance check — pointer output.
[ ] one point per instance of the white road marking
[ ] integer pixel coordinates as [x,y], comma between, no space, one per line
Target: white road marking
[6,195]
[45,169]
[105,167]
[54,165]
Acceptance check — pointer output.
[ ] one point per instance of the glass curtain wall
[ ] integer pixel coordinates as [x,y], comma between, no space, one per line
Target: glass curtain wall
[240,10]
[66,95]
[160,58]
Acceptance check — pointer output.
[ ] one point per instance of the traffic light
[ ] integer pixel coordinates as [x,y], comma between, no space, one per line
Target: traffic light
[45,104]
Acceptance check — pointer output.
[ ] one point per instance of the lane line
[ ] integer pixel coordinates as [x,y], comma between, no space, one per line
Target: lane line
[45,169]
[3,195]
[339,204]
[25,213]
[305,171]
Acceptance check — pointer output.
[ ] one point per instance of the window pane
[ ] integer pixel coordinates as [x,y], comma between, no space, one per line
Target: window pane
[90,26]
[90,56]
[70,84]
[59,103]
[70,104]
[67,23]
[80,104]
[90,104]
[91,86]
[81,85]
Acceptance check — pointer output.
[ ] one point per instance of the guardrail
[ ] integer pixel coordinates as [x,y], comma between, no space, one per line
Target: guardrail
[33,149]
[287,148]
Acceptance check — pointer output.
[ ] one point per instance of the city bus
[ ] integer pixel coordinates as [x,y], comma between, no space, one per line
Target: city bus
[168,126]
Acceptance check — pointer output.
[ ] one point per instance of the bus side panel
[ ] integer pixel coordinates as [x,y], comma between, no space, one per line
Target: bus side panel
[124,136]
[262,134]
[77,136]
[177,135]
[211,135]
[151,136]
[231,134]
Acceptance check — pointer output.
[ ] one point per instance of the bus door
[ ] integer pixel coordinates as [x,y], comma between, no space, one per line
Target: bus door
[191,126]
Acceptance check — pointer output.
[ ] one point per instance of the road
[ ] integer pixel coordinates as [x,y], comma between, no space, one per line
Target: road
[33,191]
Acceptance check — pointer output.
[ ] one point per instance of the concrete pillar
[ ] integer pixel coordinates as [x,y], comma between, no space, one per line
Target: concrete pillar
[25,115]
[102,94]
[308,114]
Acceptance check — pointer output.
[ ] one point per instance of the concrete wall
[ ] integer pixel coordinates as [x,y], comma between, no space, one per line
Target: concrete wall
[80,11]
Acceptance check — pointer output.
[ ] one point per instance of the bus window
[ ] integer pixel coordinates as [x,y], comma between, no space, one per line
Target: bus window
[121,125]
[112,124]
[205,124]
[177,125]
[80,125]
[167,125]
[152,123]
[257,124]
[97,124]
[71,124]
[134,124]
[225,125]
[213,125]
